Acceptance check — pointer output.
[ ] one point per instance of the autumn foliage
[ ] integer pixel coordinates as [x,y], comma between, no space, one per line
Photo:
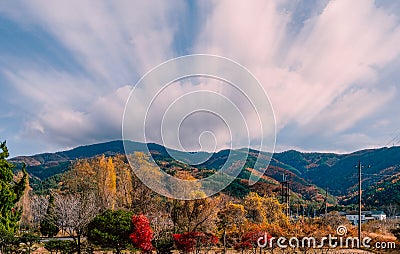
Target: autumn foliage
[97,197]
[142,233]
[249,240]
[191,241]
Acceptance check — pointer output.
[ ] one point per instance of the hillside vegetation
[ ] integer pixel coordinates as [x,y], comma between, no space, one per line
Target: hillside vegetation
[309,173]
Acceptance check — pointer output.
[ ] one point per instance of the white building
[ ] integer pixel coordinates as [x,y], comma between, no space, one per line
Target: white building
[353,218]
[377,215]
[366,216]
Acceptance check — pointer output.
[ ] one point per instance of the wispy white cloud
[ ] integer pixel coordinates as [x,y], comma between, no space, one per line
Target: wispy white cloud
[325,78]
[112,44]
[322,63]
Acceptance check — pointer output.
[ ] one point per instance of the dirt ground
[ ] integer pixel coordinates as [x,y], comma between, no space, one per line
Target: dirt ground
[41,250]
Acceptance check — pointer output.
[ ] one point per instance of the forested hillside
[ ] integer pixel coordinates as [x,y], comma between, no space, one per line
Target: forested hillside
[309,173]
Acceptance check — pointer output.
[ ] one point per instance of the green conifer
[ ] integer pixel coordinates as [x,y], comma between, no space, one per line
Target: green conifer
[10,193]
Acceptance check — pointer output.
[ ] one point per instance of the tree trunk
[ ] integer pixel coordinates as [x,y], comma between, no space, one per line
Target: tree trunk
[224,240]
[79,244]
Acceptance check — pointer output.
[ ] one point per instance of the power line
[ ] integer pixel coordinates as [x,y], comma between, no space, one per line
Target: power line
[395,140]
[285,193]
[359,166]
[359,201]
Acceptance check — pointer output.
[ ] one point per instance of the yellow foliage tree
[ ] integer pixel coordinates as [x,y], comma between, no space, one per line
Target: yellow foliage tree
[81,177]
[253,204]
[231,221]
[111,183]
[106,181]
[194,215]
[142,196]
[124,182]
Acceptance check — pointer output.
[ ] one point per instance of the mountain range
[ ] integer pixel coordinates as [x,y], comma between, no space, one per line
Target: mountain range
[309,173]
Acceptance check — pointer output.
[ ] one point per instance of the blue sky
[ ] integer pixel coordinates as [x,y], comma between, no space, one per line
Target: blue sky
[330,68]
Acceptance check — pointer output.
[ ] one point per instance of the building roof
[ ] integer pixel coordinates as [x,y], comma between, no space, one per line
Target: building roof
[365,213]
[378,213]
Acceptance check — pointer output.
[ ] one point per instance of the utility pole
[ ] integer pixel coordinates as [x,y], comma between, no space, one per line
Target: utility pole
[359,202]
[326,202]
[285,192]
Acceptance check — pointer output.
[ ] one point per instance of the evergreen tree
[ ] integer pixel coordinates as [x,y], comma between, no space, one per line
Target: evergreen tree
[111,230]
[48,226]
[10,192]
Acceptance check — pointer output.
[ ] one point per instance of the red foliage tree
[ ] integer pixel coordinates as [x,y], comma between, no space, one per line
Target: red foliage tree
[191,241]
[142,234]
[249,240]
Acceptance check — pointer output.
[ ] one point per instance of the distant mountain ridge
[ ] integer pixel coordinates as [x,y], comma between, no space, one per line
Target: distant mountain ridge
[80,152]
[337,172]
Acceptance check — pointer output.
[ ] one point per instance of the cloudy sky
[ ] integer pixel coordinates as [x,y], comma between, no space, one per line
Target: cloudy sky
[330,68]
